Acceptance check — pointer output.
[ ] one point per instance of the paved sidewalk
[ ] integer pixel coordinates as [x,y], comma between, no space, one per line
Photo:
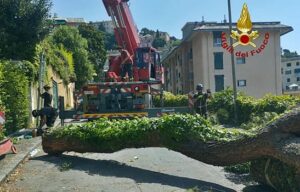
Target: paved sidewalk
[9,163]
[25,146]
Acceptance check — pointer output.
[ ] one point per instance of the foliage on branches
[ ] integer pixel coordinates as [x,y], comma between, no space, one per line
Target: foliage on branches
[14,95]
[96,49]
[22,27]
[247,107]
[158,42]
[59,58]
[173,129]
[73,42]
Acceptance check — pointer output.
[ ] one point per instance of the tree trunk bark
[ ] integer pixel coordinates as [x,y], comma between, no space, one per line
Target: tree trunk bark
[279,140]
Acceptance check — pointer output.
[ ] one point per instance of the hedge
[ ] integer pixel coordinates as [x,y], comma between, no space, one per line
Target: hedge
[14,95]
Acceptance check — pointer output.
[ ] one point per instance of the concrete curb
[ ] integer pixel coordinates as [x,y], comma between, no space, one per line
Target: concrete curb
[14,161]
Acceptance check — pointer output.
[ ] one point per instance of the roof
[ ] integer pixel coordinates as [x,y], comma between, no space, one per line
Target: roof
[256,26]
[75,20]
[214,26]
[285,59]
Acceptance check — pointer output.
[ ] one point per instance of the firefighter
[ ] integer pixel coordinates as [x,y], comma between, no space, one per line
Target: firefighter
[48,116]
[46,96]
[200,100]
[126,64]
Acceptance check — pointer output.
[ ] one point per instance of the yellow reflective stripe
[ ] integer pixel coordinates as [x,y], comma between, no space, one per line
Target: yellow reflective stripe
[141,114]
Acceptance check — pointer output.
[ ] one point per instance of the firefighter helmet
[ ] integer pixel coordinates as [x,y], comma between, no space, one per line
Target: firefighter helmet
[199,87]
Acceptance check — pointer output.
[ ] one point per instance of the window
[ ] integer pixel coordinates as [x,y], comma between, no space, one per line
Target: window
[217,38]
[298,78]
[219,83]
[298,63]
[288,64]
[288,72]
[240,60]
[297,70]
[218,60]
[281,70]
[288,80]
[191,54]
[242,83]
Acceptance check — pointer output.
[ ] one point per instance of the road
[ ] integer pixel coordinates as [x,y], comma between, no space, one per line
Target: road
[132,170]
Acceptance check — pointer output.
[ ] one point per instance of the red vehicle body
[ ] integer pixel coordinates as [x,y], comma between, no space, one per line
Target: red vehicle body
[117,94]
[115,98]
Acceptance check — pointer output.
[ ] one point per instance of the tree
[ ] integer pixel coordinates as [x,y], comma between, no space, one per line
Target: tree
[146,31]
[109,39]
[96,49]
[189,135]
[288,54]
[22,27]
[73,42]
[158,42]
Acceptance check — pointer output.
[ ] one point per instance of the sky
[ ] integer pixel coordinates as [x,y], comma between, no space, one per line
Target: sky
[171,15]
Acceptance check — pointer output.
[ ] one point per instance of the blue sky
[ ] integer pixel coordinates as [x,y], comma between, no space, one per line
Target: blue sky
[171,15]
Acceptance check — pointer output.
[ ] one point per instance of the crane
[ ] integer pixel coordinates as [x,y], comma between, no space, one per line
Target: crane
[116,97]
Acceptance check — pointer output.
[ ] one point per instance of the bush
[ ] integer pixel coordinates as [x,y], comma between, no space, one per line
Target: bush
[224,100]
[248,107]
[223,116]
[2,136]
[171,100]
[277,104]
[14,95]
[260,120]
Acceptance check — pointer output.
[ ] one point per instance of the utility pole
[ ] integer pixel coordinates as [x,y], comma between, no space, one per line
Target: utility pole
[232,65]
[41,82]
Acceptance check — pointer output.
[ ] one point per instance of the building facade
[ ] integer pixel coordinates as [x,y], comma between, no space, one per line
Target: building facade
[108,26]
[290,74]
[205,57]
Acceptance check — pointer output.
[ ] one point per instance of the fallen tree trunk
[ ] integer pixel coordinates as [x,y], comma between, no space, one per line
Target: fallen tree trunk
[279,140]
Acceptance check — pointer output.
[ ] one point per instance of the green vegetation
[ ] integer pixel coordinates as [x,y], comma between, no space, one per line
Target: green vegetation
[239,168]
[22,27]
[14,95]
[247,107]
[59,58]
[95,39]
[65,166]
[173,129]
[73,42]
[171,100]
[2,136]
[286,53]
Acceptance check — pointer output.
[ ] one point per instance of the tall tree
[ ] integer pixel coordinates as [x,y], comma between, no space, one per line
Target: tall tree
[146,31]
[158,42]
[71,39]
[22,27]
[96,49]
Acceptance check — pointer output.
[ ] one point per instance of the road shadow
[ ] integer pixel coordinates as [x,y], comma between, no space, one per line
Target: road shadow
[117,169]
[247,180]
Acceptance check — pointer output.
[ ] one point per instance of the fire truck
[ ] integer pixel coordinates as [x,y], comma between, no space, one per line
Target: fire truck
[116,97]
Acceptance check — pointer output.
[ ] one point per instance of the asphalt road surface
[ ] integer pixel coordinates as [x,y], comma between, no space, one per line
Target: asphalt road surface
[130,170]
